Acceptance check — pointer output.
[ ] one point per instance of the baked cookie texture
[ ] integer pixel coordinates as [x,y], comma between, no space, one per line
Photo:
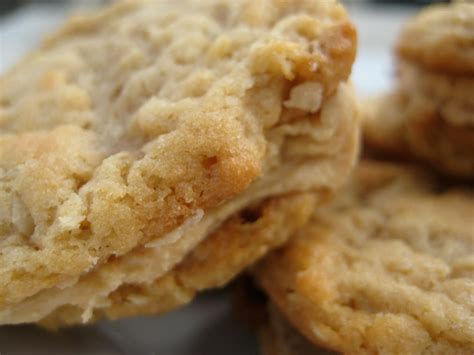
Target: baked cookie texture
[386,268]
[430,114]
[134,133]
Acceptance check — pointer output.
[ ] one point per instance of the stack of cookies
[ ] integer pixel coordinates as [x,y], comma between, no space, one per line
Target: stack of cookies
[157,149]
[430,115]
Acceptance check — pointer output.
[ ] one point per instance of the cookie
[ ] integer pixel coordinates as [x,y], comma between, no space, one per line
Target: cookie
[413,127]
[386,268]
[441,37]
[430,114]
[132,134]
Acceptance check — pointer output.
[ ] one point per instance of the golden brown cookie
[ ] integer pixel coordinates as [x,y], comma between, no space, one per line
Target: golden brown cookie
[412,127]
[133,133]
[388,267]
[441,37]
[430,114]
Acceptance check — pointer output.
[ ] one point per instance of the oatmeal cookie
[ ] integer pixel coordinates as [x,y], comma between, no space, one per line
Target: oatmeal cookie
[388,267]
[430,113]
[132,134]
[441,38]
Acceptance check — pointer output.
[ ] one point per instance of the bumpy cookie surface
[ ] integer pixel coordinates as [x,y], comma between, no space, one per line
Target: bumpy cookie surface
[136,123]
[387,268]
[441,37]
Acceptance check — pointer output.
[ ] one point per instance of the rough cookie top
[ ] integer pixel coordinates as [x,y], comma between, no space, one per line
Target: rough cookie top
[127,121]
[388,268]
[441,37]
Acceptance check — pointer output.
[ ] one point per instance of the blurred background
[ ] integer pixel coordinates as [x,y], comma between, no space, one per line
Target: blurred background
[7,5]
[207,327]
